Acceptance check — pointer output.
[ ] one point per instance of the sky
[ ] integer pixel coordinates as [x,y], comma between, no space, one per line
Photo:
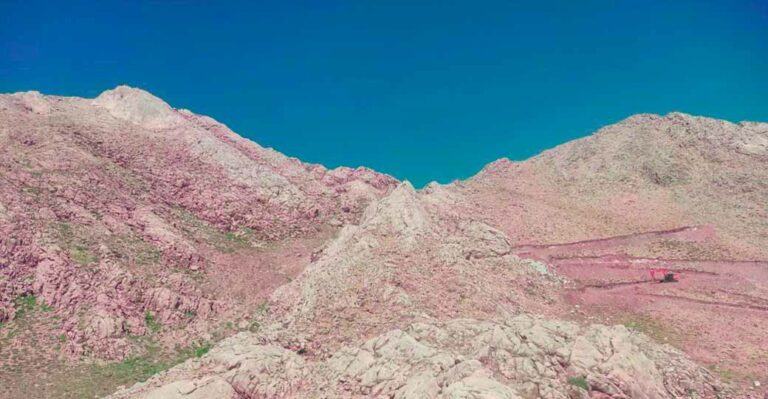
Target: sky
[422,90]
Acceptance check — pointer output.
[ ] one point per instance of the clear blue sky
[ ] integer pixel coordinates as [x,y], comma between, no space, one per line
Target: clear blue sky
[423,90]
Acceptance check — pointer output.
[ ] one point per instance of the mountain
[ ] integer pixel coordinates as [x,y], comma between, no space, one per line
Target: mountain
[138,236]
[675,192]
[119,210]
[644,173]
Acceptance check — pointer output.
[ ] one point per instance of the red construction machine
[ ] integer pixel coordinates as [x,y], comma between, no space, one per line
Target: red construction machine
[663,275]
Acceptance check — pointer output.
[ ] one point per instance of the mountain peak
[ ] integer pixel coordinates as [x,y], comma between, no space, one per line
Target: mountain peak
[138,106]
[129,93]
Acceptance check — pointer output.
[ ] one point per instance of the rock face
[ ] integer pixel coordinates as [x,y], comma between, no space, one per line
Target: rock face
[128,218]
[520,357]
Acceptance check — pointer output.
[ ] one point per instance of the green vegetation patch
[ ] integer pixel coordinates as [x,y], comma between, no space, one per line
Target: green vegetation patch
[140,368]
[730,376]
[27,371]
[580,382]
[28,303]
[241,237]
[75,243]
[202,350]
[132,248]
[137,368]
[195,350]
[82,255]
[152,324]
[65,230]
[232,241]
[650,327]
[224,241]
[129,248]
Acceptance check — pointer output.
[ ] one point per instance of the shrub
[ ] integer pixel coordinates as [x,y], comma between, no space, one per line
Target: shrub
[200,351]
[149,320]
[24,304]
[82,255]
[580,382]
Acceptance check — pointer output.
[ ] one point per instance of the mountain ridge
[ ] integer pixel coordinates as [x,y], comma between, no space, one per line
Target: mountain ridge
[137,94]
[142,228]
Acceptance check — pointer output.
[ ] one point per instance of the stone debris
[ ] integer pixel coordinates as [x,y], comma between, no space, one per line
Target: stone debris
[520,357]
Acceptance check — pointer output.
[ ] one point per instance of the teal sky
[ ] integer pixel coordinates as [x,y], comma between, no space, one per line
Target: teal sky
[423,90]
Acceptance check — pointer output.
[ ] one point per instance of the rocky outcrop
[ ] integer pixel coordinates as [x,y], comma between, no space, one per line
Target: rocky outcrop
[408,257]
[520,357]
[139,107]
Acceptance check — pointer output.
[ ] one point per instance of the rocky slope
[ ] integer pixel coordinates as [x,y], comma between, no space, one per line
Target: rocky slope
[419,300]
[676,192]
[122,215]
[644,173]
[521,357]
[131,219]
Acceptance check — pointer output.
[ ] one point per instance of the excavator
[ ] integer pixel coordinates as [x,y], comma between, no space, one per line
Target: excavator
[662,275]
